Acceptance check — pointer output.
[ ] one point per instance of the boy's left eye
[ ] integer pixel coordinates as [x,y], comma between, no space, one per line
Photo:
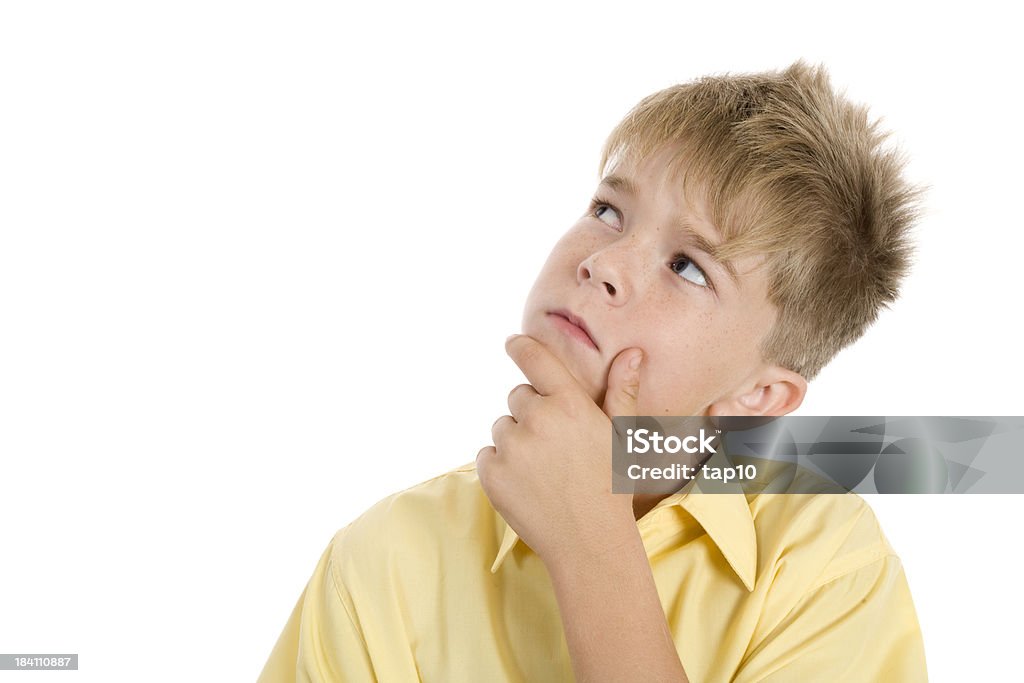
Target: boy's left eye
[606,213]
[682,265]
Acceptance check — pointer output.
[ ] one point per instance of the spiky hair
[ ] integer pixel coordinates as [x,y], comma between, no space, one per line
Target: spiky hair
[791,170]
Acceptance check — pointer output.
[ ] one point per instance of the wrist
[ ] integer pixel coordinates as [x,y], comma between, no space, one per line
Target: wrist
[608,544]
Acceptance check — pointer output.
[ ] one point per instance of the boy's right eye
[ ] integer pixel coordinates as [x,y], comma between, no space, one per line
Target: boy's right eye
[606,213]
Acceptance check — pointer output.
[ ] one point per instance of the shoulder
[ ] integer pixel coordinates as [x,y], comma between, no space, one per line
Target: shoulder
[834,599]
[413,527]
[817,535]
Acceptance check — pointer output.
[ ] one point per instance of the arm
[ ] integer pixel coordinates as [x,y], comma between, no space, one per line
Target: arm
[859,626]
[614,624]
[320,642]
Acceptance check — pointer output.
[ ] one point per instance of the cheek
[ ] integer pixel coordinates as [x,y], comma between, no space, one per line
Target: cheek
[673,389]
[581,241]
[563,260]
[681,369]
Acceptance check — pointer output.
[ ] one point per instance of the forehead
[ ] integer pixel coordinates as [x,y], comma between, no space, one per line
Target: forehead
[676,173]
[664,172]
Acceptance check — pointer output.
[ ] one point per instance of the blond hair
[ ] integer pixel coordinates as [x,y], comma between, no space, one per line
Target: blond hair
[792,171]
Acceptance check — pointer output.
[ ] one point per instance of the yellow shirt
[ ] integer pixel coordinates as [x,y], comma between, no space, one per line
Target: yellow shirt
[431,584]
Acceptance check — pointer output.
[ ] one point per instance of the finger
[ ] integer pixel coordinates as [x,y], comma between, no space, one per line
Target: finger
[485,458]
[501,428]
[623,393]
[519,398]
[544,371]
[485,453]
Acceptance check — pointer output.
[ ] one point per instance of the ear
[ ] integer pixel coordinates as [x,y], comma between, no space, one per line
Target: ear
[771,391]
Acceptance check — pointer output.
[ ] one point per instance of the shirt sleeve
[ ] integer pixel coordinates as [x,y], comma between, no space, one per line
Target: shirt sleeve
[321,642]
[860,626]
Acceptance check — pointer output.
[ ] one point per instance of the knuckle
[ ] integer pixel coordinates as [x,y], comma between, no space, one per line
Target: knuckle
[519,400]
[499,426]
[483,464]
[519,388]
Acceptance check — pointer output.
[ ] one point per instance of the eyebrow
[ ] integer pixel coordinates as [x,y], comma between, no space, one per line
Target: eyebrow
[621,184]
[628,187]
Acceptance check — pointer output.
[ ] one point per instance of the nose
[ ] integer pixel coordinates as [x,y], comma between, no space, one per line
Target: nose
[606,271]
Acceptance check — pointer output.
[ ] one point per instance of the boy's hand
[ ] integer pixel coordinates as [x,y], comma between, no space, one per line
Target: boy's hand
[549,472]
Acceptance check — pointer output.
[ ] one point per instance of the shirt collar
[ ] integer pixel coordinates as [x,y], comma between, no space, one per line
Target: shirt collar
[724,515]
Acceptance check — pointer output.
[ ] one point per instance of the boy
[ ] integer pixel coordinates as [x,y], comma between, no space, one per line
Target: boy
[744,230]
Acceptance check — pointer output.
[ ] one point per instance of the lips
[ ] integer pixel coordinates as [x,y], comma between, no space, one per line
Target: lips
[574,325]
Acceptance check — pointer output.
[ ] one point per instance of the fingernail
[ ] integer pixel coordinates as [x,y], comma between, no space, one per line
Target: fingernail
[635,362]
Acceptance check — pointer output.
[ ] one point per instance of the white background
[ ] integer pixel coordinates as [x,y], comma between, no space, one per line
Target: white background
[258,260]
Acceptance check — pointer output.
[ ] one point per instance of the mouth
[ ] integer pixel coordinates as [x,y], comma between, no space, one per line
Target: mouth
[574,326]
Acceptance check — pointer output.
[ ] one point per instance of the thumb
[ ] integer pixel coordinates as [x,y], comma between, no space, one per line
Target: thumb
[620,398]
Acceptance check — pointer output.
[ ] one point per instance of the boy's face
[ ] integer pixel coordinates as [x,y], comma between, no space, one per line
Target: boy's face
[633,271]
